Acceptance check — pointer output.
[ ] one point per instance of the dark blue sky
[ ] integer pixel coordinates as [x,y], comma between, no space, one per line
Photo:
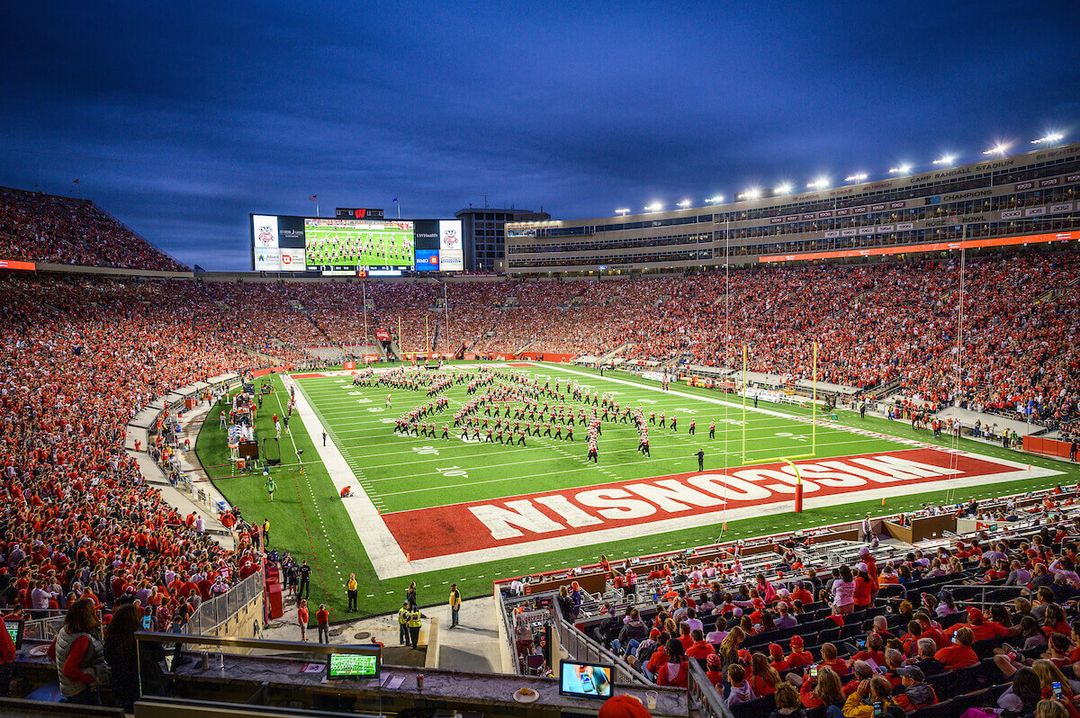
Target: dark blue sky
[180,118]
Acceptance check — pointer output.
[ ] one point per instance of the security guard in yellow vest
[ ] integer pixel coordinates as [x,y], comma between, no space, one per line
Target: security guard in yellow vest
[352,592]
[403,624]
[414,627]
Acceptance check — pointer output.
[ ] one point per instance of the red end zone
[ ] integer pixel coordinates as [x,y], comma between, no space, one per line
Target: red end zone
[480,525]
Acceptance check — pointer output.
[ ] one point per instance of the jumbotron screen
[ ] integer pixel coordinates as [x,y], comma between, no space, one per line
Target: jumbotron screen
[282,243]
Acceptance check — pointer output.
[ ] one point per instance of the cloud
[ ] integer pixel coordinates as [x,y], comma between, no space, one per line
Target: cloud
[183,119]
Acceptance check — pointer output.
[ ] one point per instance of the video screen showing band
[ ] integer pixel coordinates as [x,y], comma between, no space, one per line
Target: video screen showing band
[346,245]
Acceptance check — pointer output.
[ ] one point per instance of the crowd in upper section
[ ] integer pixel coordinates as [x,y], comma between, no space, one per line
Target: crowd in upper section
[41,227]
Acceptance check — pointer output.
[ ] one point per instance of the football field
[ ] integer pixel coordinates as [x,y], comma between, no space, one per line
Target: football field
[454,508]
[364,245]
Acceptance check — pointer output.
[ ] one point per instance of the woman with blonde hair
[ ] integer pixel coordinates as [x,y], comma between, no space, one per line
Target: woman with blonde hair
[1051,708]
[764,677]
[1049,674]
[823,692]
[729,647]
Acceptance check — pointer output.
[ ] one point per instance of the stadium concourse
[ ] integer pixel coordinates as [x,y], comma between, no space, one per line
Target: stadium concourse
[81,355]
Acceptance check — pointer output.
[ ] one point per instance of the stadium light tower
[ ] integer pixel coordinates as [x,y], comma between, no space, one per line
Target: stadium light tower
[1050,138]
[623,211]
[819,183]
[857,177]
[783,188]
[998,149]
[715,199]
[945,160]
[654,207]
[752,193]
[684,204]
[902,169]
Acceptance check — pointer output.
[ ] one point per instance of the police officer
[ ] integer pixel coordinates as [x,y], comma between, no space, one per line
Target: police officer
[414,627]
[403,624]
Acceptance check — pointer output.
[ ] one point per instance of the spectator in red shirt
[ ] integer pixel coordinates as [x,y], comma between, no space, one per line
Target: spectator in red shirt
[960,654]
[322,617]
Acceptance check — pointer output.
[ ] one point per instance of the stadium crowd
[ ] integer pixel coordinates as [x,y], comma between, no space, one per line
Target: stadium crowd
[888,326]
[809,637]
[79,358]
[49,228]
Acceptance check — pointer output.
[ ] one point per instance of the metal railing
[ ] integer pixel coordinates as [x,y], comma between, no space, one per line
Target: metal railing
[703,694]
[215,611]
[43,628]
[582,648]
[973,594]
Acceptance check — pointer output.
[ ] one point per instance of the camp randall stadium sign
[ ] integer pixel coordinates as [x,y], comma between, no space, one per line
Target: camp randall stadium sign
[479,531]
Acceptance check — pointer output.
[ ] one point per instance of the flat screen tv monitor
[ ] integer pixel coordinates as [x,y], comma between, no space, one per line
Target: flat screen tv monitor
[14,628]
[586,680]
[353,665]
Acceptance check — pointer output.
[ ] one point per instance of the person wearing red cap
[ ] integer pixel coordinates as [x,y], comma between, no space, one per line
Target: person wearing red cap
[714,665]
[798,656]
[981,629]
[776,658]
[622,705]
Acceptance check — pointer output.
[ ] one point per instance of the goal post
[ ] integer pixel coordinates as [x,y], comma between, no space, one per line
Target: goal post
[781,456]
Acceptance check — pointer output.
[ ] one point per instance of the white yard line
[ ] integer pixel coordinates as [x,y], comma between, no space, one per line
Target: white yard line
[389,560]
[531,548]
[382,549]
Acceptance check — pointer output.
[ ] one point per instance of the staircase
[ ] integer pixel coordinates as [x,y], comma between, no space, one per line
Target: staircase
[1051,295]
[606,358]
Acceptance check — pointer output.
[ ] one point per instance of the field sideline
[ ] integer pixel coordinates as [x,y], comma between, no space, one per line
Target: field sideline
[405,476]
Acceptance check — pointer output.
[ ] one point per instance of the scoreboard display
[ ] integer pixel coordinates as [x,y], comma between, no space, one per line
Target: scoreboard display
[353,244]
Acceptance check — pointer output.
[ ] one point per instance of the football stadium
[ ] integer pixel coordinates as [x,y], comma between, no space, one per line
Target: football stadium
[803,451]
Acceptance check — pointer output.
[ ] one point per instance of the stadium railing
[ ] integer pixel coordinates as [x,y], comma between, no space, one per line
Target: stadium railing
[984,596]
[703,695]
[216,611]
[44,627]
[583,648]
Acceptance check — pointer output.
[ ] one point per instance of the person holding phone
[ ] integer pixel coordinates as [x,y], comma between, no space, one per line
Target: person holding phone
[872,699]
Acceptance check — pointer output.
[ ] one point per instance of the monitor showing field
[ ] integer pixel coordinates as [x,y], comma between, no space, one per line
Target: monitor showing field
[336,244]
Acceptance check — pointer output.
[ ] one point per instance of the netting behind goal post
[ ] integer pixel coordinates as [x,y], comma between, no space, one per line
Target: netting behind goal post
[751,451]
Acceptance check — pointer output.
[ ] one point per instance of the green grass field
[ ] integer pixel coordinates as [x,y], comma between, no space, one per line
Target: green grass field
[362,245]
[403,473]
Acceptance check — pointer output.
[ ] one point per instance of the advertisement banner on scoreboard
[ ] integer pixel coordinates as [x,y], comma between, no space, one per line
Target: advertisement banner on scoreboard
[427,260]
[360,246]
[451,252]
